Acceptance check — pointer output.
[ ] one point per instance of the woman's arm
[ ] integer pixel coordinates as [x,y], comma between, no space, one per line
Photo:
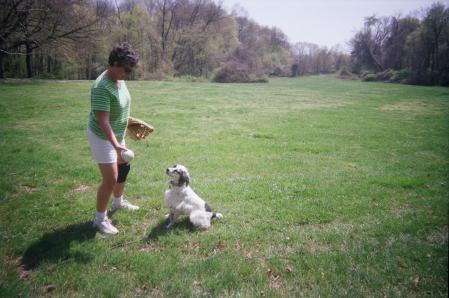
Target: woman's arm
[103,121]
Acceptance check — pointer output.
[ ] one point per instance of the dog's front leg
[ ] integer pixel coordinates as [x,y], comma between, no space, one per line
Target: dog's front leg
[171,218]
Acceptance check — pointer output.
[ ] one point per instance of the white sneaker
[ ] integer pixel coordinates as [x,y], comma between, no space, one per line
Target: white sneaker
[124,204]
[105,226]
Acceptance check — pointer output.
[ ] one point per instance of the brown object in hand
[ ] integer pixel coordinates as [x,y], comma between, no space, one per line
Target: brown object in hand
[138,129]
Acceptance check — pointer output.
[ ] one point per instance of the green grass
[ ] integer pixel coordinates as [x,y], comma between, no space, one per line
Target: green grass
[328,188]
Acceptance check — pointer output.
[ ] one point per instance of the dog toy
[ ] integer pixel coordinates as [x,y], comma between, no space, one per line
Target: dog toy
[138,129]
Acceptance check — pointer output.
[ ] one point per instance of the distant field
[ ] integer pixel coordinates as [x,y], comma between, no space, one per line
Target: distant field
[328,188]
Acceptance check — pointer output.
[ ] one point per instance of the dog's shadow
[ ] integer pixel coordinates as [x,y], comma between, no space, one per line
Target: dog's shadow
[161,229]
[55,246]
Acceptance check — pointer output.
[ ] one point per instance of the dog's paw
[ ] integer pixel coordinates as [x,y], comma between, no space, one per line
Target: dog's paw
[218,215]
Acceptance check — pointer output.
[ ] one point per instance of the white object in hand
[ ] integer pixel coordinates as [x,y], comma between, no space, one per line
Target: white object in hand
[127,155]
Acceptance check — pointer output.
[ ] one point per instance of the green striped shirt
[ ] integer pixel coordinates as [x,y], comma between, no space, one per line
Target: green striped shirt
[106,96]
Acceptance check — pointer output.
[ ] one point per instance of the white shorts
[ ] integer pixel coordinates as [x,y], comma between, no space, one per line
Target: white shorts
[102,150]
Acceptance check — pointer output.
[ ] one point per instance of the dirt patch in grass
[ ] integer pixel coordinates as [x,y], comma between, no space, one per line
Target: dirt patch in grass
[82,188]
[413,107]
[30,188]
[276,281]
[439,237]
[26,188]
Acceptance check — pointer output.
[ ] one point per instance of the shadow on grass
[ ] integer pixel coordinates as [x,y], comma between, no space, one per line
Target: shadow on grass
[55,246]
[161,230]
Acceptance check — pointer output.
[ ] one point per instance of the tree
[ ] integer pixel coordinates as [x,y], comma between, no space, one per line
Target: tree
[72,39]
[367,44]
[435,23]
[394,47]
[311,59]
[34,24]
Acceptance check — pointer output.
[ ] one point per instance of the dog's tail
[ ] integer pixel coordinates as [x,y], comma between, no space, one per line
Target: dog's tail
[214,215]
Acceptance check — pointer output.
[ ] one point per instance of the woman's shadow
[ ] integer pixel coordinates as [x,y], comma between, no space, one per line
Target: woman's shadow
[55,246]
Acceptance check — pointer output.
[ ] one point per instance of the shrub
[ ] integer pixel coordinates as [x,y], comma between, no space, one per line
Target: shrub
[241,66]
[260,79]
[234,72]
[400,76]
[384,75]
[153,76]
[345,74]
[281,72]
[365,73]
[369,77]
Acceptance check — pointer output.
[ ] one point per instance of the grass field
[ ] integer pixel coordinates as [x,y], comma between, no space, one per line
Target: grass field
[328,188]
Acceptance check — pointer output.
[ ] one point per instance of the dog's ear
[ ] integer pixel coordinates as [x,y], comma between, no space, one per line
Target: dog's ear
[184,178]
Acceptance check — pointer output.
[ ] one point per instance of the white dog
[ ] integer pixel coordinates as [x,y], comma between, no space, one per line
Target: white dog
[181,199]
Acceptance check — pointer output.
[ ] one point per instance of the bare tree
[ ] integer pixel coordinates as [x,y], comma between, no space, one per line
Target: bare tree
[33,24]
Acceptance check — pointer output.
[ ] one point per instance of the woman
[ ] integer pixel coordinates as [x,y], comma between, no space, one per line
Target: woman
[108,119]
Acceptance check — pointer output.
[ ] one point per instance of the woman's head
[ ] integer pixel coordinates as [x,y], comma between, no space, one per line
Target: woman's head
[123,59]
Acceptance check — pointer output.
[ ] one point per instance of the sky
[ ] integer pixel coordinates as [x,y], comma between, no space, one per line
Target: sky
[323,22]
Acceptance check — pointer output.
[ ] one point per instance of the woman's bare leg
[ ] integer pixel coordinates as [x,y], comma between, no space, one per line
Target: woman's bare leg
[109,175]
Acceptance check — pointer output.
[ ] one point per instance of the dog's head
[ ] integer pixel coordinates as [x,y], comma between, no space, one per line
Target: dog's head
[179,175]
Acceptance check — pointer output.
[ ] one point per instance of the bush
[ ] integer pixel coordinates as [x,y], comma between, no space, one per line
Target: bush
[369,77]
[241,66]
[260,79]
[404,76]
[384,75]
[153,76]
[345,74]
[365,73]
[400,76]
[234,72]
[281,72]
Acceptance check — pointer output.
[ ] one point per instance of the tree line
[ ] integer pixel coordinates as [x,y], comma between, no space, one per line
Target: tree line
[406,49]
[71,39]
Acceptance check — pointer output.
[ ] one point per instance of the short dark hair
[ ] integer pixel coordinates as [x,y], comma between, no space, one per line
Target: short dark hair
[123,55]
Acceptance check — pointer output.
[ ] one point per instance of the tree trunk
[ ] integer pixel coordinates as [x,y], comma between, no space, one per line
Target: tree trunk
[48,64]
[87,68]
[29,51]
[2,73]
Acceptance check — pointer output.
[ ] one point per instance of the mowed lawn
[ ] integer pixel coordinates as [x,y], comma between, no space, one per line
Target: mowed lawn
[328,188]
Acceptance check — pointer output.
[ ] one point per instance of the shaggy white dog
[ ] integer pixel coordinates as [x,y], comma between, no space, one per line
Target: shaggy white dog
[181,199]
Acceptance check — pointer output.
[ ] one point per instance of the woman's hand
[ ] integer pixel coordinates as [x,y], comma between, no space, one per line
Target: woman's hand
[119,148]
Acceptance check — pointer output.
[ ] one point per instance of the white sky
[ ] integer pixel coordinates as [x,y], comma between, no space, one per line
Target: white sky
[323,22]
